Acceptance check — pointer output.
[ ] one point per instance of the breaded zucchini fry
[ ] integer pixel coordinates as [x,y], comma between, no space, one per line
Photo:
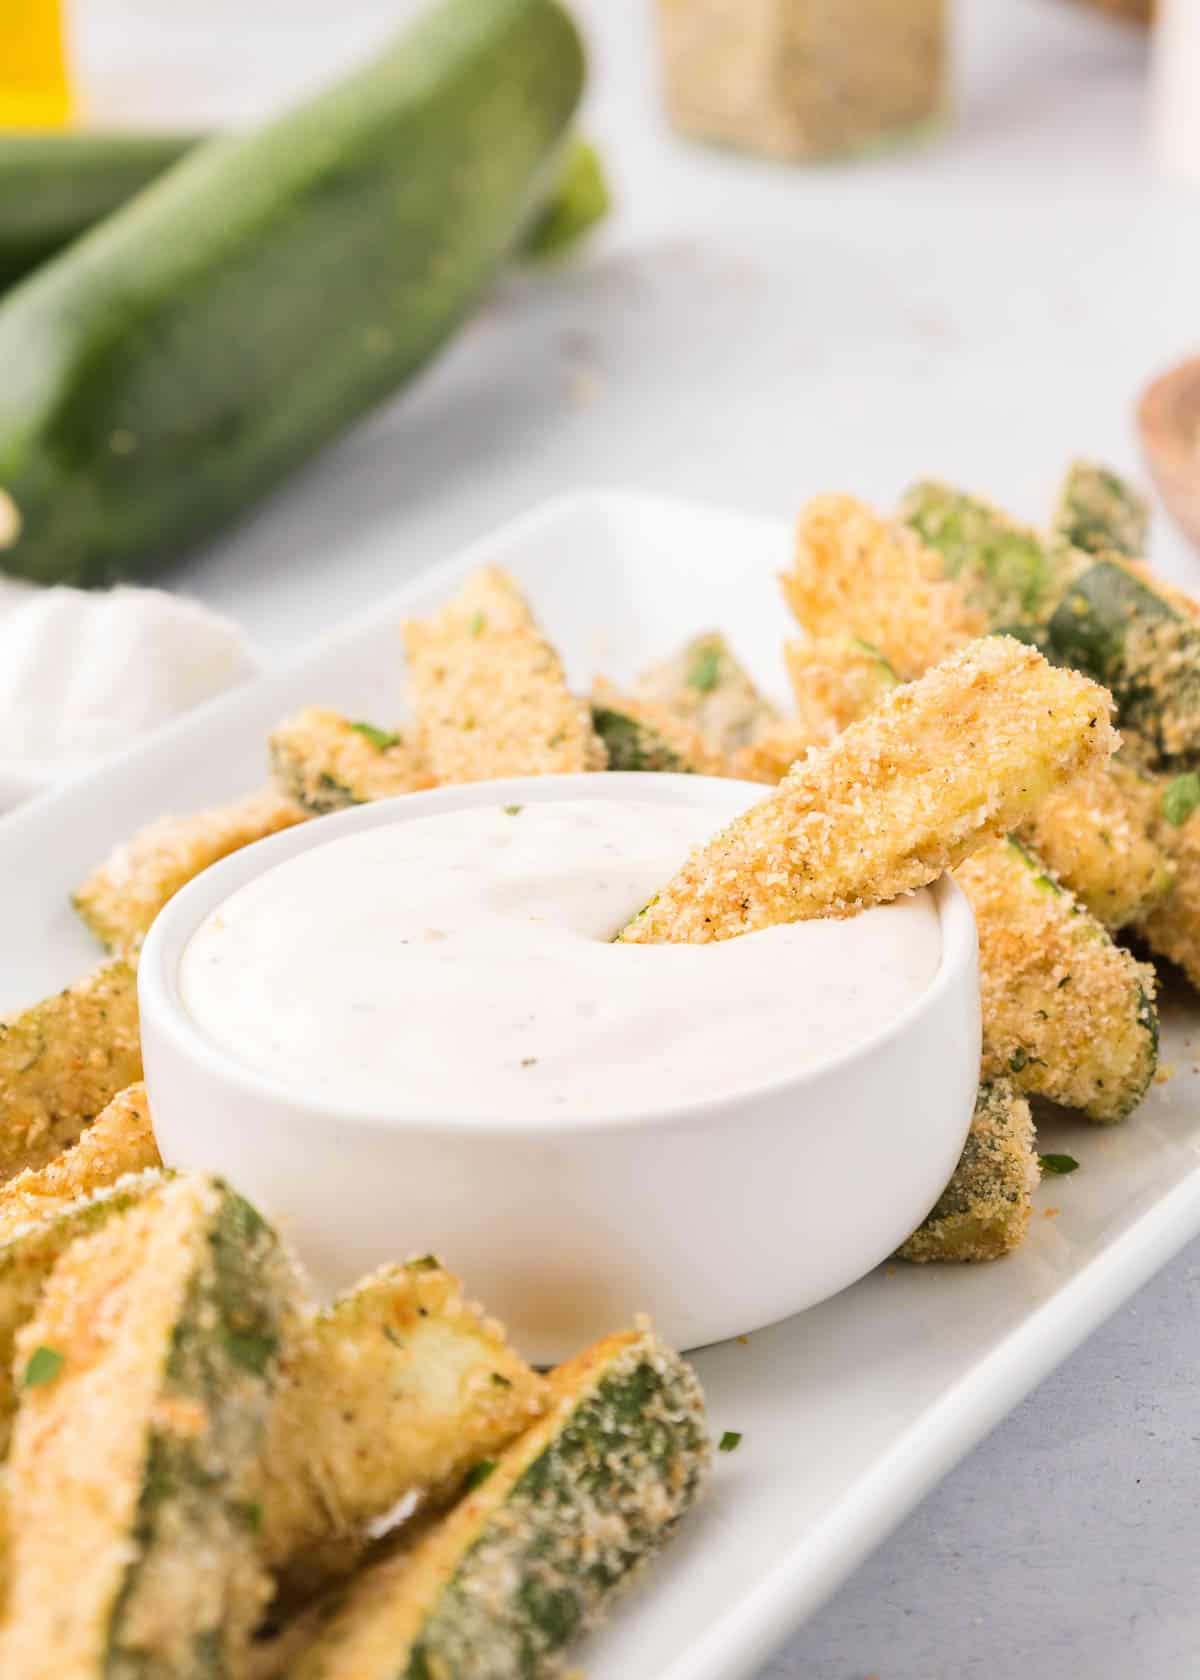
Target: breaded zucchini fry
[970,747]
[119,1141]
[642,735]
[30,1253]
[135,1461]
[489,691]
[323,762]
[1099,513]
[525,1563]
[705,686]
[984,1210]
[121,897]
[1116,624]
[1097,835]
[1066,1013]
[837,680]
[399,1387]
[774,750]
[4,1526]
[64,1060]
[857,575]
[1013,576]
[1173,927]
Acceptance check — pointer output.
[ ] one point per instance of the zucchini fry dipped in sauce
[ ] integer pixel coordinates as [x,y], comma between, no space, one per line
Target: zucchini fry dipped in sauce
[854,574]
[1099,513]
[984,1210]
[1009,573]
[400,1387]
[489,691]
[971,747]
[64,1060]
[706,687]
[119,1141]
[135,1468]
[29,1254]
[323,762]
[527,1560]
[1097,835]
[122,896]
[1067,1014]
[645,735]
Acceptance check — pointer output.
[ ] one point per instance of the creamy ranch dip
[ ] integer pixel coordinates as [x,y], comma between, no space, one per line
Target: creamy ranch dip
[462,963]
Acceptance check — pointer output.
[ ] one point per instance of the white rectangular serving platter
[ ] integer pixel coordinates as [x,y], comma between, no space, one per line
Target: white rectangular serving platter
[850,1412]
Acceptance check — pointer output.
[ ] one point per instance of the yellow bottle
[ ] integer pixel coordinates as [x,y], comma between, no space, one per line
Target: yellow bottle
[34,90]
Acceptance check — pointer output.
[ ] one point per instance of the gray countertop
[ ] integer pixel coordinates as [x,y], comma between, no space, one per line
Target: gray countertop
[979,309]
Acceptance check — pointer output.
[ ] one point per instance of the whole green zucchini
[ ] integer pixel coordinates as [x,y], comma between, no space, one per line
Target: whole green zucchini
[180,359]
[54,186]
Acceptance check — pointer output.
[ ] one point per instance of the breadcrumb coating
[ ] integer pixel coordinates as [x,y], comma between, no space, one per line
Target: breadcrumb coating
[838,679]
[119,1141]
[1117,622]
[29,1254]
[64,1060]
[773,751]
[1097,835]
[645,735]
[135,1459]
[489,692]
[1066,1013]
[1099,513]
[895,800]
[706,687]
[854,574]
[399,1387]
[324,762]
[1009,572]
[528,1559]
[983,1212]
[1173,927]
[121,897]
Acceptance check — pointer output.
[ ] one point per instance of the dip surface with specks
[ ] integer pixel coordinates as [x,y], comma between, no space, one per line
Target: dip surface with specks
[461,964]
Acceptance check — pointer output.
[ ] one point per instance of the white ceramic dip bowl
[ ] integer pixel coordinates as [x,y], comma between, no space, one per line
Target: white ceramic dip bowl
[717,1216]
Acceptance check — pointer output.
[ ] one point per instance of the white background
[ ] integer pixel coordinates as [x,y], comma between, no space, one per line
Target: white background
[979,309]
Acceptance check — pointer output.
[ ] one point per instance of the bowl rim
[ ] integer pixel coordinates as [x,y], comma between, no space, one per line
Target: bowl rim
[163,1012]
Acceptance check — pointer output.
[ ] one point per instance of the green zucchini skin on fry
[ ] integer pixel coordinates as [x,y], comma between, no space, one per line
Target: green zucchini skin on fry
[325,762]
[165,371]
[707,687]
[634,745]
[136,1462]
[1009,573]
[1067,1014]
[525,1562]
[1114,625]
[983,1212]
[1099,513]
